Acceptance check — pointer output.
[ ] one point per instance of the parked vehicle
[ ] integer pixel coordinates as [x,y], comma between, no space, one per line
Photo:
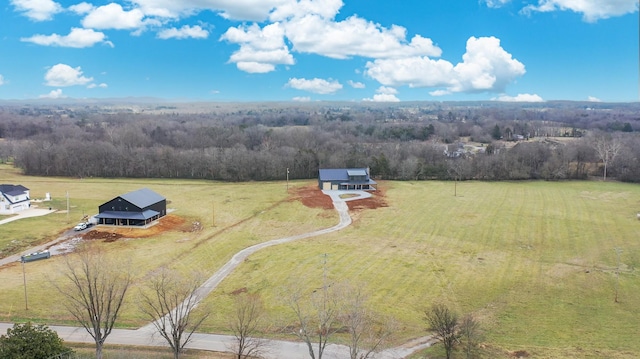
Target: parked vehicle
[35,256]
[81,226]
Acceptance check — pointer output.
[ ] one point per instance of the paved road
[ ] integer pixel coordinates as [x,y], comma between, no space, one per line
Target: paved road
[278,349]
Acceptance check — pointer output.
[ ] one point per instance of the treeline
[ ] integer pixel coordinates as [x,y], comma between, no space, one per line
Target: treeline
[406,142]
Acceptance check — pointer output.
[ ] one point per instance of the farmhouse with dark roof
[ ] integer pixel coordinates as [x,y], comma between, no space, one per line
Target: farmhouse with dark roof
[345,179]
[13,198]
[137,208]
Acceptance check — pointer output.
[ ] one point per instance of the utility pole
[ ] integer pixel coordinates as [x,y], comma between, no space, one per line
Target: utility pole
[287,179]
[24,280]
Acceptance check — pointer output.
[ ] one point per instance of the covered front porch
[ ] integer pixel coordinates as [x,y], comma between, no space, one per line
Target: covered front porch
[351,186]
[121,218]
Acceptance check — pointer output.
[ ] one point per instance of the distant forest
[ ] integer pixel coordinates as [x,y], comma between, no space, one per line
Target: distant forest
[244,142]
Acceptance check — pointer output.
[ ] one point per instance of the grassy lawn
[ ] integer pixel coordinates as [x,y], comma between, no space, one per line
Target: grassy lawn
[534,261]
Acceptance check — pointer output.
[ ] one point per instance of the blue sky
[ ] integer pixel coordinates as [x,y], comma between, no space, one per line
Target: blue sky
[321,50]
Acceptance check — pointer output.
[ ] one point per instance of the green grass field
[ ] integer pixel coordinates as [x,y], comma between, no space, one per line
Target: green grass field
[534,261]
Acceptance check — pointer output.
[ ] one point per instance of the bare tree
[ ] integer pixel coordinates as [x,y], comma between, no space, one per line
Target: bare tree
[316,314]
[458,169]
[366,335]
[607,149]
[169,302]
[244,324]
[444,323]
[470,335]
[94,292]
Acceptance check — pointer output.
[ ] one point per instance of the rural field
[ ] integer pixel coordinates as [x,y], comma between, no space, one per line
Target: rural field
[535,262]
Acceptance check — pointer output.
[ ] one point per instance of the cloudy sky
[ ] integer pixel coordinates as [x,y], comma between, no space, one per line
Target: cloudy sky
[329,50]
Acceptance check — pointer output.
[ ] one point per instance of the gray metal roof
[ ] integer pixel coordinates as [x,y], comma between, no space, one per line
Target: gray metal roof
[13,190]
[340,174]
[357,172]
[142,198]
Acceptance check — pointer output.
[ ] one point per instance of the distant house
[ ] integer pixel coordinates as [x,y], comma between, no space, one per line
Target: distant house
[345,179]
[137,208]
[13,198]
[454,150]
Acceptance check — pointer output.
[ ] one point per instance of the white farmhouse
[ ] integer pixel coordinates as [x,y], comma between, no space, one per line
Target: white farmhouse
[13,198]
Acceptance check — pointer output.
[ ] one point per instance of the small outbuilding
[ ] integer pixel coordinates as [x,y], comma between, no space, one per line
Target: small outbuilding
[14,198]
[137,208]
[345,179]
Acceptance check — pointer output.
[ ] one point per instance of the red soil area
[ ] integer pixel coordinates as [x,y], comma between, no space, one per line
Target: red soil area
[312,196]
[169,222]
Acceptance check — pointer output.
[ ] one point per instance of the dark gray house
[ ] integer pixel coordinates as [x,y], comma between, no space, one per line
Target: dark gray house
[137,208]
[345,179]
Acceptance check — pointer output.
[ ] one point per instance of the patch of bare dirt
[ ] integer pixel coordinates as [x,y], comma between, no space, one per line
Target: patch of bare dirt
[238,291]
[312,197]
[520,354]
[377,200]
[169,222]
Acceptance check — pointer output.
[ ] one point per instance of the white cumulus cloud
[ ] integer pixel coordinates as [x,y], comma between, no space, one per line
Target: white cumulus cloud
[302,99]
[356,85]
[93,86]
[82,8]
[54,94]
[486,66]
[384,94]
[77,38]
[523,97]
[37,10]
[62,75]
[316,85]
[261,49]
[327,9]
[591,10]
[354,36]
[411,71]
[253,67]
[244,10]
[185,32]
[309,26]
[593,99]
[113,16]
